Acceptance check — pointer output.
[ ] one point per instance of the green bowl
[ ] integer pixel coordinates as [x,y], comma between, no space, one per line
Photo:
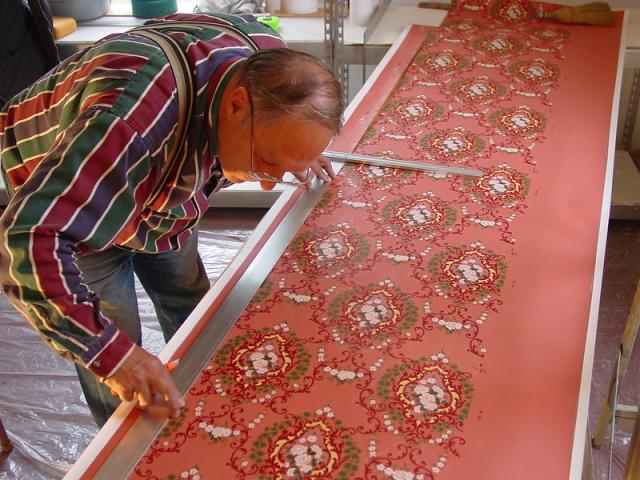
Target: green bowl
[153,8]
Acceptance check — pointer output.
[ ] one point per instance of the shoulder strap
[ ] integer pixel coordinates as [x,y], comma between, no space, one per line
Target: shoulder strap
[185,89]
[194,24]
[182,73]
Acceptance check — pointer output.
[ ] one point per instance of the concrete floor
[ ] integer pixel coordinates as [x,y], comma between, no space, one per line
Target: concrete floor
[42,407]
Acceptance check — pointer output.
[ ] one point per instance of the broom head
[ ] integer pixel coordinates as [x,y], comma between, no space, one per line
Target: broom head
[597,13]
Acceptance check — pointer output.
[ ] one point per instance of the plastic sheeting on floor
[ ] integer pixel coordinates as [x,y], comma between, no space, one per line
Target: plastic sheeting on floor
[41,403]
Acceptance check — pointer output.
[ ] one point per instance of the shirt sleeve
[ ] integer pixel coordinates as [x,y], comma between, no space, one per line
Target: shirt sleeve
[93,181]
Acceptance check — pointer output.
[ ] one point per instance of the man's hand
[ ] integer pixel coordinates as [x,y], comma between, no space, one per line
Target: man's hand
[142,377]
[321,168]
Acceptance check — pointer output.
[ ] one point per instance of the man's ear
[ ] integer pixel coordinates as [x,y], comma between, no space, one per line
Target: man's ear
[239,106]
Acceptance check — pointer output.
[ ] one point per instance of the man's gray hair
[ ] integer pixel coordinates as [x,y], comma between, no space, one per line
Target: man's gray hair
[287,82]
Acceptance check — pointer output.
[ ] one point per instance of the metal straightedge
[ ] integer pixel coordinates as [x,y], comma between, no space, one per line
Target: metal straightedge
[133,444]
[401,164]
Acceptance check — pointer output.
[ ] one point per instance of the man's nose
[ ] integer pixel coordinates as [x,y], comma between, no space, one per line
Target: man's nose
[273,170]
[278,171]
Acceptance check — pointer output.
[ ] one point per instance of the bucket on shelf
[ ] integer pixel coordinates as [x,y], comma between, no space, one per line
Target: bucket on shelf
[80,10]
[153,8]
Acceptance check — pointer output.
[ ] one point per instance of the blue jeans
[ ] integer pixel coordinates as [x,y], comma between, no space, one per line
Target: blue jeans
[175,282]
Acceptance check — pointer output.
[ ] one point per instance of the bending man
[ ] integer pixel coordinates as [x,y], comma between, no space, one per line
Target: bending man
[95,198]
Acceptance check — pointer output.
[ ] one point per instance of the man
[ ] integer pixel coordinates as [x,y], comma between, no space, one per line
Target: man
[95,197]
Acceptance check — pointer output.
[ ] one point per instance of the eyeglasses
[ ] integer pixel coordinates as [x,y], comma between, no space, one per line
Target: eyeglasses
[265,177]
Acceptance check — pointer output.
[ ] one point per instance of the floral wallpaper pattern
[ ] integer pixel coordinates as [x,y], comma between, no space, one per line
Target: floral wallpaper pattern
[360,355]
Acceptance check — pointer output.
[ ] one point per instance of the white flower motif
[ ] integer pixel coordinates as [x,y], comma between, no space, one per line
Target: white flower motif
[260,362]
[520,120]
[331,248]
[477,89]
[443,60]
[414,110]
[453,143]
[427,397]
[305,455]
[499,184]
[536,71]
[316,450]
[438,174]
[220,432]
[376,171]
[402,475]
[498,44]
[419,214]
[300,298]
[513,12]
[304,463]
[470,271]
[298,449]
[345,375]
[451,325]
[372,313]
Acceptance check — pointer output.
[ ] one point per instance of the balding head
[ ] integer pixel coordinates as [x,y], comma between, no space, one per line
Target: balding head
[283,82]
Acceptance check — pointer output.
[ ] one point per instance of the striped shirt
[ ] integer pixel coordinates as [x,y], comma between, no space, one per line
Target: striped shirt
[83,152]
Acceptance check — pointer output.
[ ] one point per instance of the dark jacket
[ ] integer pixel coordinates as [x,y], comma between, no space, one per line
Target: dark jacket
[27,46]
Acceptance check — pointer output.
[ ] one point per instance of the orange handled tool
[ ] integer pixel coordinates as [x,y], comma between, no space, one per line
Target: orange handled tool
[171,366]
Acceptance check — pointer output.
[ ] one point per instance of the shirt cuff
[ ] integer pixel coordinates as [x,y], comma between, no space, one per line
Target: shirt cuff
[108,353]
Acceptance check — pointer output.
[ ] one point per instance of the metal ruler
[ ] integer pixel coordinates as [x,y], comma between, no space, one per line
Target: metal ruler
[402,164]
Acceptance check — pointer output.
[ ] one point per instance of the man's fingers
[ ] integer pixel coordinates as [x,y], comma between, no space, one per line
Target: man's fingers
[327,166]
[118,390]
[167,390]
[160,409]
[323,169]
[175,399]
[144,395]
[301,177]
[144,378]
[126,394]
[321,174]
